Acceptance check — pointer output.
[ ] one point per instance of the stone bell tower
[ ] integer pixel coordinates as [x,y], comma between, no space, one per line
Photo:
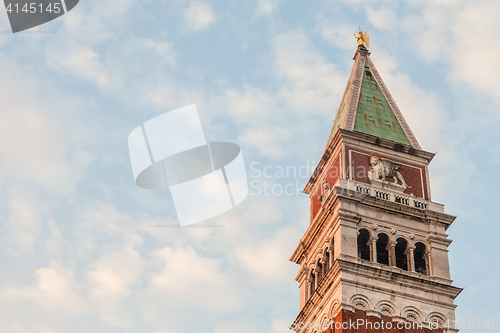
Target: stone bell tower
[375,254]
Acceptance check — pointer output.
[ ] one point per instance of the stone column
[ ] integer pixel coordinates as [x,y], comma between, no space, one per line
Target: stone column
[411,262]
[309,289]
[392,253]
[330,252]
[373,249]
[428,262]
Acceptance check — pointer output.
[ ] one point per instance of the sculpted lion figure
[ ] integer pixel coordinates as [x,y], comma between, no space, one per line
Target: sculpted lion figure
[383,168]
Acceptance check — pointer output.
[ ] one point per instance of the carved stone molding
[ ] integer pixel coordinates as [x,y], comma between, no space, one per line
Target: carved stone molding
[361,302]
[436,319]
[387,308]
[335,308]
[412,314]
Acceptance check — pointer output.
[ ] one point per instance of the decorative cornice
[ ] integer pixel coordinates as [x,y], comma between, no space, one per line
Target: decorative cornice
[397,276]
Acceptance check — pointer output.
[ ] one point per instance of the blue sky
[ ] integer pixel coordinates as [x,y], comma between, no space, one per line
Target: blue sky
[82,250]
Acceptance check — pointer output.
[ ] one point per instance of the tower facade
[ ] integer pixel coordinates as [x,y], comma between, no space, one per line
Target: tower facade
[375,254]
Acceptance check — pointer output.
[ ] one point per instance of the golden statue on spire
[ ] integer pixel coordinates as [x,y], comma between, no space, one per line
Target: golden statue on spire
[363,38]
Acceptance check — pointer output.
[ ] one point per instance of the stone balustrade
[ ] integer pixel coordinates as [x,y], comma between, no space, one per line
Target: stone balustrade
[389,192]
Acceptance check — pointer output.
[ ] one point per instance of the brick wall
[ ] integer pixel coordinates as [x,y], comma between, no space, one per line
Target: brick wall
[332,175]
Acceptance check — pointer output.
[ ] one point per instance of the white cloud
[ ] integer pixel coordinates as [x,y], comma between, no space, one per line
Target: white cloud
[81,61]
[35,135]
[208,287]
[312,85]
[25,222]
[307,87]
[265,7]
[459,33]
[52,245]
[339,35]
[475,41]
[281,325]
[111,282]
[199,15]
[383,19]
[251,104]
[93,22]
[267,263]
[255,110]
[52,304]
[163,48]
[268,140]
[428,33]
[168,96]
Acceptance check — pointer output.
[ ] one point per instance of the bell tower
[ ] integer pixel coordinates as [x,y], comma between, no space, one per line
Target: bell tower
[375,254]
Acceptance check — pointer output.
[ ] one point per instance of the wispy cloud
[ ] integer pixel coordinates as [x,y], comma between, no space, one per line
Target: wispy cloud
[199,15]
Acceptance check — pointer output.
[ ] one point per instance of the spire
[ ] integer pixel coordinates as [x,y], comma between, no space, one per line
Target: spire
[368,107]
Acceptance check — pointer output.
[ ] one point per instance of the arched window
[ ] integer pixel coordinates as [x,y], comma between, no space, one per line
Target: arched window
[401,257]
[363,247]
[419,255]
[382,252]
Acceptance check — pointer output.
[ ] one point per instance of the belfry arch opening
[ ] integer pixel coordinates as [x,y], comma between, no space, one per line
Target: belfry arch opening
[363,246]
[382,250]
[401,254]
[420,260]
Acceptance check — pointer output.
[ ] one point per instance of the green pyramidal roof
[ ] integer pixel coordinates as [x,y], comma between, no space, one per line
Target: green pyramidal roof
[374,115]
[368,107]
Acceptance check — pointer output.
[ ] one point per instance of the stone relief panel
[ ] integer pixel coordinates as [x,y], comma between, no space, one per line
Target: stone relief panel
[382,169]
[415,176]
